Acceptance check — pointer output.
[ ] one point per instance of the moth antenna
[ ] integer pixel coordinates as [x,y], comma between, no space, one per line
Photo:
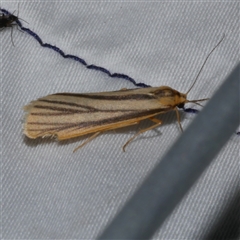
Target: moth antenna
[19,17]
[197,101]
[205,63]
[23,20]
[198,104]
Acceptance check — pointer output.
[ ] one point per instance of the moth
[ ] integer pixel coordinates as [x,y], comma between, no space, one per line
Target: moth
[69,115]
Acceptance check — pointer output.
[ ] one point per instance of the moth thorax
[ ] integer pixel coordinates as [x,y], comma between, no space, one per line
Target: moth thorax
[170,97]
[180,99]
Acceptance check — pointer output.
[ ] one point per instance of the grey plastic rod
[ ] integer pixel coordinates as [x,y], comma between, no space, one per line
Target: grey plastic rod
[171,179]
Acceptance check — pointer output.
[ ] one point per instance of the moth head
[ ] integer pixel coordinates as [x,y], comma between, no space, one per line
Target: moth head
[181,105]
[12,18]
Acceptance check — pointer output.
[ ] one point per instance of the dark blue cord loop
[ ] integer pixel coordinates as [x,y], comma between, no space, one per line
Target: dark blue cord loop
[78,59]
[94,67]
[191,110]
[33,35]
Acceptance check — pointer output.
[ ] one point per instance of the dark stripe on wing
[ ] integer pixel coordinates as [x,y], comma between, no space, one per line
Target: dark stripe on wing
[64,126]
[67,104]
[61,111]
[111,97]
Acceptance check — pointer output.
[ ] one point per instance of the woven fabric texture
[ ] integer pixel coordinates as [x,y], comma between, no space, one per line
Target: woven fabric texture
[49,192]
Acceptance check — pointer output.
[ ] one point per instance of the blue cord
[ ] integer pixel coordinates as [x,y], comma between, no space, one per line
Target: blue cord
[76,58]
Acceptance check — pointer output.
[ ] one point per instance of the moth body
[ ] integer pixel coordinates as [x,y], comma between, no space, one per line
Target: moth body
[68,115]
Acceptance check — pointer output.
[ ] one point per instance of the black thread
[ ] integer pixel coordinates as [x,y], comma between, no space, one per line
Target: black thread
[191,110]
[76,58]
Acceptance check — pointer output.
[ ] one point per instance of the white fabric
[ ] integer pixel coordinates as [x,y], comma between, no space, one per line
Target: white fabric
[49,192]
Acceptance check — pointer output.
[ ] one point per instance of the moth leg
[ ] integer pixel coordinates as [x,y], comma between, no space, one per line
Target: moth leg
[178,119]
[155,120]
[88,140]
[11,36]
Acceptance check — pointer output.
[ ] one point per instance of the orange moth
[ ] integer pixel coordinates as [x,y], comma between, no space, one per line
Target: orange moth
[69,115]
